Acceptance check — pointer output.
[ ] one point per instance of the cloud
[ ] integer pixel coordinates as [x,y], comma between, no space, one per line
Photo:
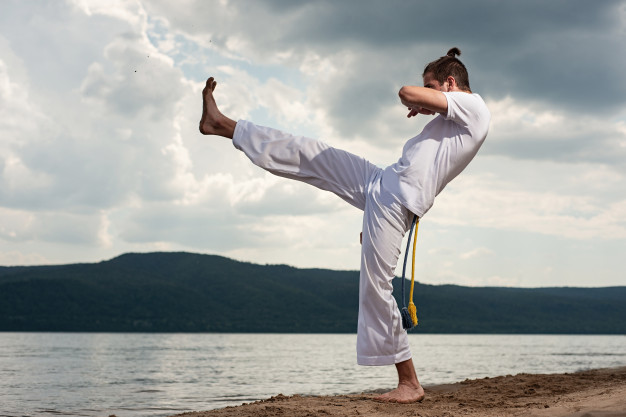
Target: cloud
[16,111]
[540,133]
[123,145]
[16,258]
[20,226]
[488,202]
[475,253]
[352,65]
[141,80]
[275,197]
[271,232]
[448,274]
[531,50]
[129,11]
[20,121]
[102,159]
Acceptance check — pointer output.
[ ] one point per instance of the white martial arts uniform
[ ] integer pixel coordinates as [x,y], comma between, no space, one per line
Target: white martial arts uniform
[387,197]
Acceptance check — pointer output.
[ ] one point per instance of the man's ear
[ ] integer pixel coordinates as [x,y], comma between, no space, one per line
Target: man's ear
[451,82]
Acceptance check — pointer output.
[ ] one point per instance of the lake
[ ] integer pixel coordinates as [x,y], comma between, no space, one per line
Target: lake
[99,374]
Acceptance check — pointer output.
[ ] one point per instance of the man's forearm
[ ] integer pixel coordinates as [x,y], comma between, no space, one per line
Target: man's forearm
[421,97]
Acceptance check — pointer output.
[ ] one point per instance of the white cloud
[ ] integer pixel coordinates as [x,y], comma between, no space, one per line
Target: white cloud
[487,202]
[449,274]
[16,258]
[532,131]
[476,253]
[285,104]
[16,112]
[52,226]
[130,11]
[141,80]
[96,158]
[21,123]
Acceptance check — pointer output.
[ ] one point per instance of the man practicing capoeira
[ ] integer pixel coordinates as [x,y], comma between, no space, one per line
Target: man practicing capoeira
[389,197]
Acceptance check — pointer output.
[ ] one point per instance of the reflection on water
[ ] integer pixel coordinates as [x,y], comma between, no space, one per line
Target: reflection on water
[86,374]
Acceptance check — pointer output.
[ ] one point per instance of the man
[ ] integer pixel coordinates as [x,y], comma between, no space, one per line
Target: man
[389,197]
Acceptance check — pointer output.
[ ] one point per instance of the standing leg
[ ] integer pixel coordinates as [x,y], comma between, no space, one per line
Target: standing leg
[381,340]
[409,389]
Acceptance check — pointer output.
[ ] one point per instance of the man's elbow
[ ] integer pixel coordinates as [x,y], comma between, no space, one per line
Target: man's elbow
[410,95]
[404,93]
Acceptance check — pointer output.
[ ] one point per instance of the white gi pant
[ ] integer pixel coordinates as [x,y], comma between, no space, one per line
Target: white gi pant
[381,340]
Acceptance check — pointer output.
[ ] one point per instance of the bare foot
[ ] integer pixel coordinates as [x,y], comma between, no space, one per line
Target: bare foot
[404,394]
[213,122]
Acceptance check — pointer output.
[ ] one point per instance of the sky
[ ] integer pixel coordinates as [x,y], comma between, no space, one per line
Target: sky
[100,152]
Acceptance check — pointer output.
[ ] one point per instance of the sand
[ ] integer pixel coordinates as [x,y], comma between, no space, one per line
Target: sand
[596,393]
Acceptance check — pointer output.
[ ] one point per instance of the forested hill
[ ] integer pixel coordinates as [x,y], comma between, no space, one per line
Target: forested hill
[184,292]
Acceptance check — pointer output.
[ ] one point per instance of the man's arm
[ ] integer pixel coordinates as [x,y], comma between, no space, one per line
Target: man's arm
[423,100]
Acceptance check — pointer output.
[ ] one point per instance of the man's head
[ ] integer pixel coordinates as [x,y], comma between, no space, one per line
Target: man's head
[447,73]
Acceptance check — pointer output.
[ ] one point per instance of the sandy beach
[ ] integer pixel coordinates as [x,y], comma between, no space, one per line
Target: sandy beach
[596,393]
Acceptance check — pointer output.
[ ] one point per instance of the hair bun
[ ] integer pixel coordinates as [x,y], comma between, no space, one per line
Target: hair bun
[453,52]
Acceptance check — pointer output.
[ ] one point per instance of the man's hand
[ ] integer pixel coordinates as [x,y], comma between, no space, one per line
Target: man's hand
[419,110]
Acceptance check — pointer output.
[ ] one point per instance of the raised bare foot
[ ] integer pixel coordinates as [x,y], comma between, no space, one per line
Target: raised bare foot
[213,122]
[404,394]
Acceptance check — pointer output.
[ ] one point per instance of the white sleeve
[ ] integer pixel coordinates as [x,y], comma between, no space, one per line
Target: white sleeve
[467,110]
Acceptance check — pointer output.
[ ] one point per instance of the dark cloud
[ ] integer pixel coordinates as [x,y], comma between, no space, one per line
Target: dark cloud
[396,21]
[548,51]
[573,149]
[561,53]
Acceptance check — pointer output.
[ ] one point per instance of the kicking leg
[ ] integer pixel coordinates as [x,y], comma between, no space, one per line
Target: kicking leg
[296,157]
[213,122]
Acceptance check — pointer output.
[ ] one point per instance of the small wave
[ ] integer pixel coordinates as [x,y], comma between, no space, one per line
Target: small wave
[598,354]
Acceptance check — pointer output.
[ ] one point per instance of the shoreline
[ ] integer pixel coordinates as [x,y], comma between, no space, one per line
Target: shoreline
[592,393]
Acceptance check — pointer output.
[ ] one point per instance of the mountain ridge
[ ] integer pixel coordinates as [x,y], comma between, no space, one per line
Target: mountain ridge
[189,292]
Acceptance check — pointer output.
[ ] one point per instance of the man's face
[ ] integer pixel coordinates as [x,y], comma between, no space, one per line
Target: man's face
[431,82]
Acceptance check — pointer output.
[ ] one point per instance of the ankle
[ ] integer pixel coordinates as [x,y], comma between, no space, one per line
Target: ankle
[224,126]
[413,384]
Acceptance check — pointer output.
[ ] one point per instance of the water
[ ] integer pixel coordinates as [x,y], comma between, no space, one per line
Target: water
[86,374]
